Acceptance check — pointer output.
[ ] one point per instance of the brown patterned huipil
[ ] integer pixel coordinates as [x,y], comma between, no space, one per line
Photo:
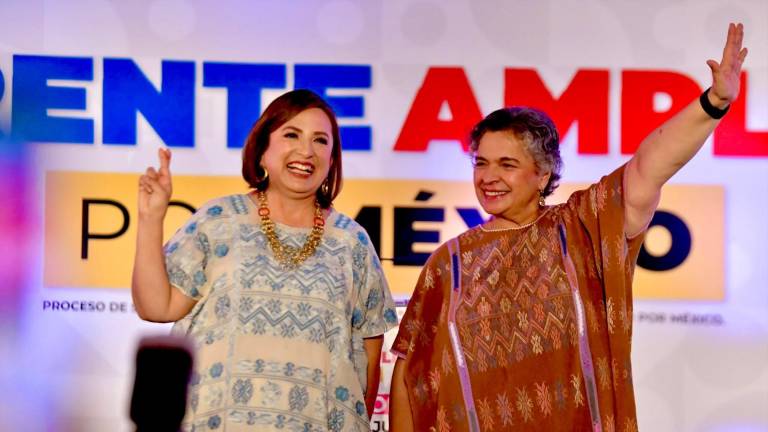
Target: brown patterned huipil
[509,330]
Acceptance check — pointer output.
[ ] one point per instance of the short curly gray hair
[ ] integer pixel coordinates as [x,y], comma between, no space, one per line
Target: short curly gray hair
[537,132]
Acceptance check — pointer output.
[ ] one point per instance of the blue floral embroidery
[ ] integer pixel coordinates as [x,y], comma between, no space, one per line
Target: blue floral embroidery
[176,275]
[246,304]
[288,330]
[199,278]
[242,391]
[351,352]
[305,289]
[274,307]
[270,393]
[202,243]
[191,228]
[373,299]
[238,202]
[290,368]
[194,292]
[304,309]
[251,418]
[360,408]
[317,376]
[298,398]
[391,316]
[342,393]
[221,250]
[342,222]
[358,258]
[335,420]
[280,423]
[259,366]
[216,370]
[214,422]
[223,307]
[357,317]
[172,248]
[316,335]
[214,211]
[259,326]
[209,338]
[362,238]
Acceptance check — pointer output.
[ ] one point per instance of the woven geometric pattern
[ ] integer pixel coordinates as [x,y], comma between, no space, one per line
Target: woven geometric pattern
[506,315]
[535,347]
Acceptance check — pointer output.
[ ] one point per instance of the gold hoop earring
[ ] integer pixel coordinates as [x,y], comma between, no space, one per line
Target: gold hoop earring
[263,178]
[325,188]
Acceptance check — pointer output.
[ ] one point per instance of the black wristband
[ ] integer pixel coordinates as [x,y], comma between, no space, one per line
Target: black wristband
[711,110]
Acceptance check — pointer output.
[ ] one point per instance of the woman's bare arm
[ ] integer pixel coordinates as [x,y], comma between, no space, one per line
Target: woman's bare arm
[154,298]
[673,144]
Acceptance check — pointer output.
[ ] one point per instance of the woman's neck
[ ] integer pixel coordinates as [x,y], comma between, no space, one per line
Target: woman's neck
[515,219]
[296,212]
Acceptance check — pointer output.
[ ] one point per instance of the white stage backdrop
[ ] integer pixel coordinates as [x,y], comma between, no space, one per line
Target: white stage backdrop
[99,85]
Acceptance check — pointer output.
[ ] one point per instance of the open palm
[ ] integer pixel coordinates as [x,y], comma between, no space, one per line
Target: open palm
[726,75]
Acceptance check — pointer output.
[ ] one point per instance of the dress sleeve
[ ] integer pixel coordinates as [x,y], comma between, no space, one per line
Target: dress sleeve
[600,211]
[187,254]
[594,220]
[374,310]
[419,323]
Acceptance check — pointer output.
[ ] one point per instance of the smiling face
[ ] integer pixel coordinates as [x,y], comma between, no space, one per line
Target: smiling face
[298,157]
[506,179]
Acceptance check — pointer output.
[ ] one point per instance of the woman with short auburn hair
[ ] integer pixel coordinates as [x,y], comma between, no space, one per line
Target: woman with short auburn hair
[284,297]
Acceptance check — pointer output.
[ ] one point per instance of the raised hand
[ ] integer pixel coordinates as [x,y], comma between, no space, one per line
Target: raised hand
[155,188]
[726,75]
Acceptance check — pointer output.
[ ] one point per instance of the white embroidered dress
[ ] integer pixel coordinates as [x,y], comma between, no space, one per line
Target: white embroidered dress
[277,349]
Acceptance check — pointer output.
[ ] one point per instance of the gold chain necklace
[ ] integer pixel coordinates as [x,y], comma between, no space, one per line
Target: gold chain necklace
[290,256]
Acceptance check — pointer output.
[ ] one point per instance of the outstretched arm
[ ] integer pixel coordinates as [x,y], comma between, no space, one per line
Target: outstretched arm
[674,143]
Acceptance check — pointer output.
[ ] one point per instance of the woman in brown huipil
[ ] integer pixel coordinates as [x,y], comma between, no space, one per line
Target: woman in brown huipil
[525,322]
